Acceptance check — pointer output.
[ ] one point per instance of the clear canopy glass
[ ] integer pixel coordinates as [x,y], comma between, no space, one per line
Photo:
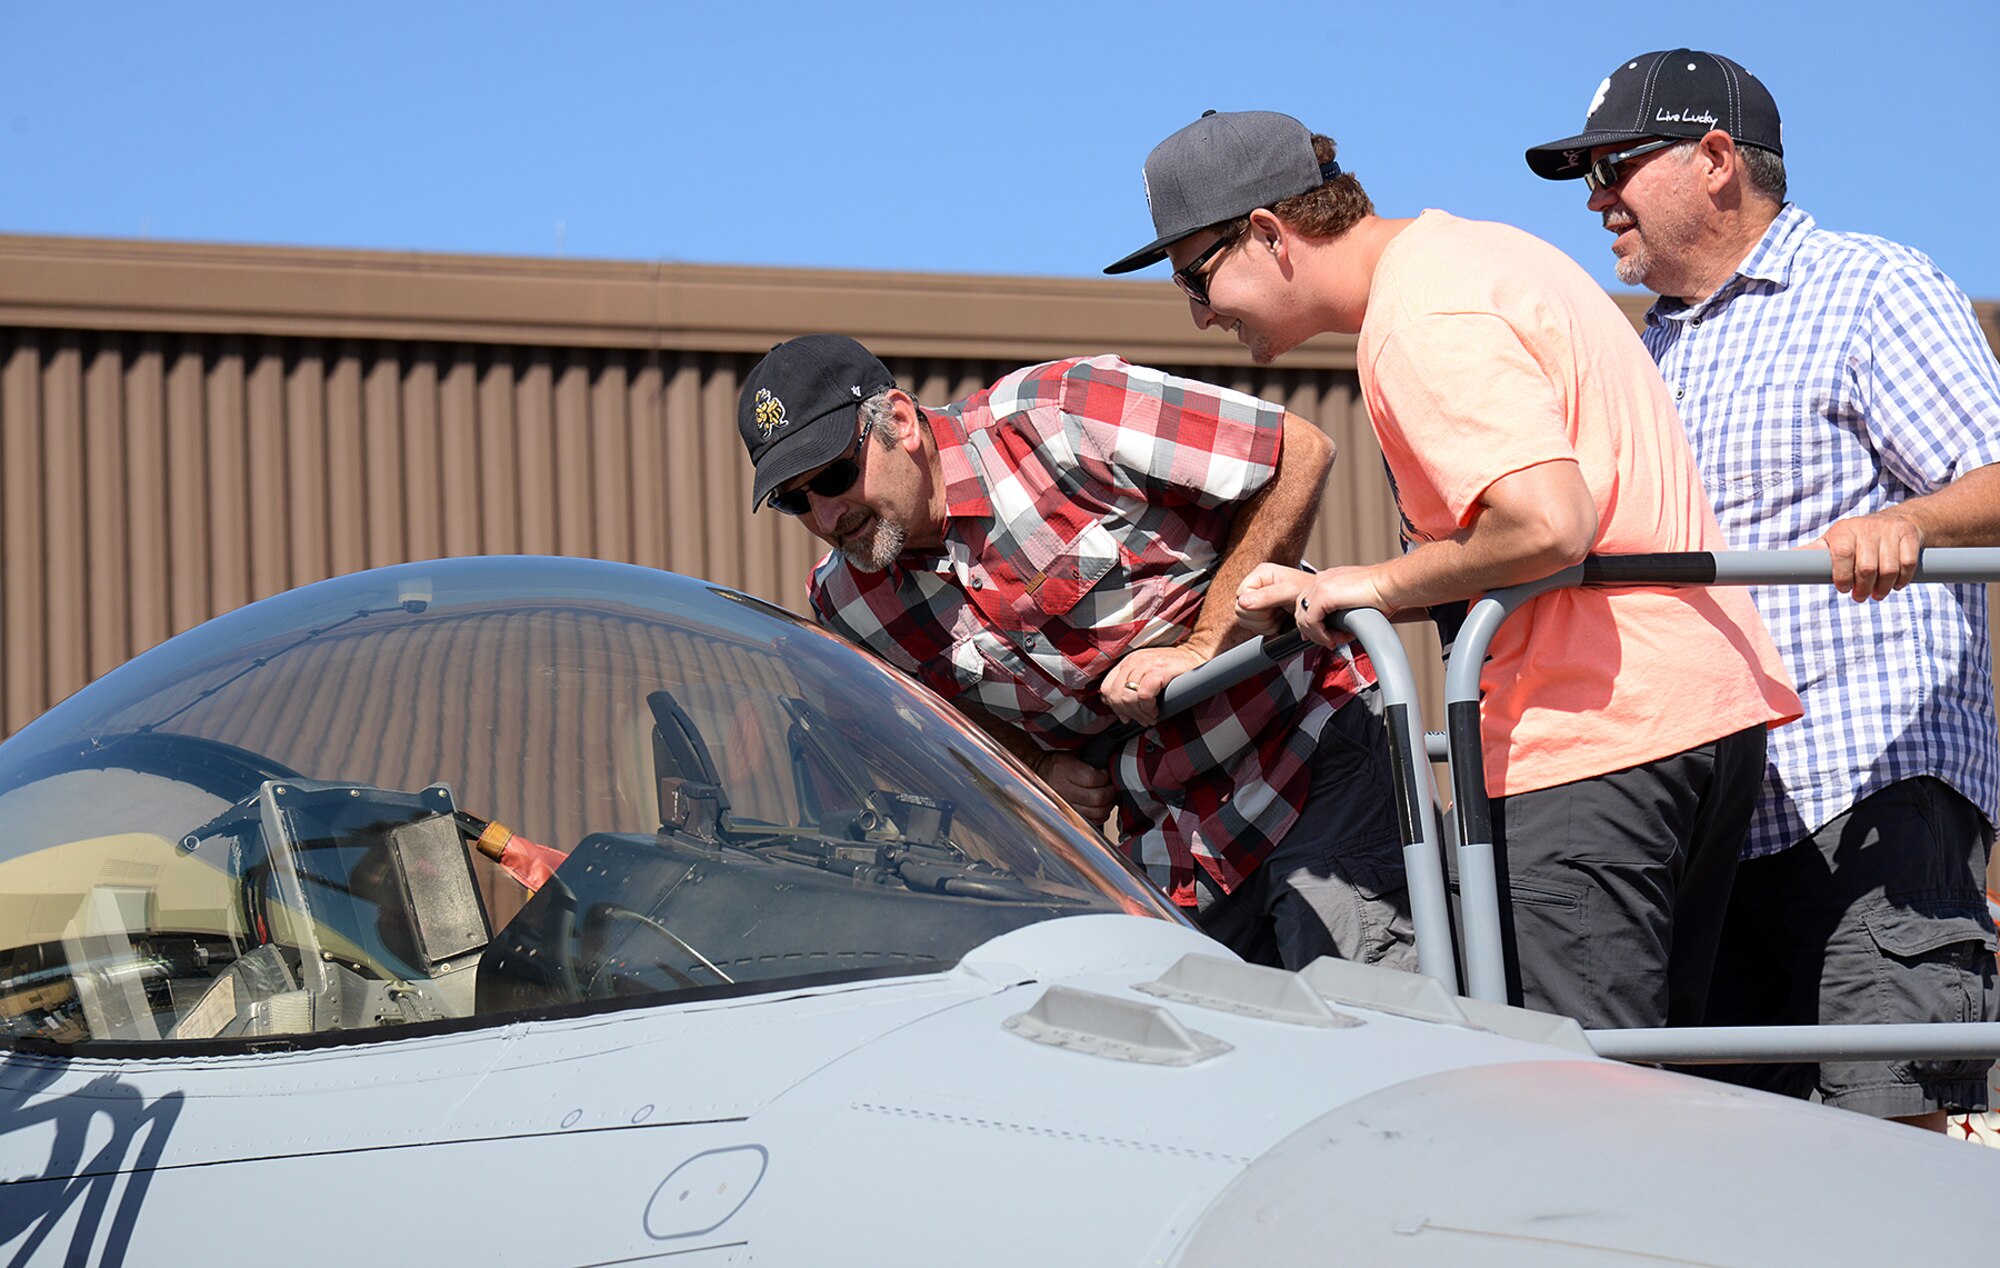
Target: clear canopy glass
[473,788]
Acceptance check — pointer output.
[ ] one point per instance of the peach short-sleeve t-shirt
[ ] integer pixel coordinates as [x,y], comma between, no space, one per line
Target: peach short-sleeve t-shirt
[1486,351]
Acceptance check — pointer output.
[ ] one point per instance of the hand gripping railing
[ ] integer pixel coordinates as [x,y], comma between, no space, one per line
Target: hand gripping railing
[1430,912]
[1472,816]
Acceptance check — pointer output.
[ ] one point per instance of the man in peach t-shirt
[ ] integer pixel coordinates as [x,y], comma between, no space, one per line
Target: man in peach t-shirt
[1524,427]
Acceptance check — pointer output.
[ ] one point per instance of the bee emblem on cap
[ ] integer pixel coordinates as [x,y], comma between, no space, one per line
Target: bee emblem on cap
[770,412]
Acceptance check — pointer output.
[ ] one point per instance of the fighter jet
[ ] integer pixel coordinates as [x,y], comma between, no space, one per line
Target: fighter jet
[562,912]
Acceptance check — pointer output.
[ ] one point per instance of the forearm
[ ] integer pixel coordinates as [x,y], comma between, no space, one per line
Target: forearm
[1086,788]
[1271,527]
[1465,566]
[1006,735]
[1965,512]
[1532,523]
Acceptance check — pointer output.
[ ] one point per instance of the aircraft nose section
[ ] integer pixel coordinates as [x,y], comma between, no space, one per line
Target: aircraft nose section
[1560,1162]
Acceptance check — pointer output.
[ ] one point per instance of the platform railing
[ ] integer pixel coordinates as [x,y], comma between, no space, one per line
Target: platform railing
[1480,907]
[1481,913]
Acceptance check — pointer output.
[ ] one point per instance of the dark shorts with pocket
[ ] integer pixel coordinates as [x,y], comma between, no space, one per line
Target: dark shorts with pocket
[1878,917]
[1614,887]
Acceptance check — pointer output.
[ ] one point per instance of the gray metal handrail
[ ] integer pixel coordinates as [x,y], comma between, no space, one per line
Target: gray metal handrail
[1728,1045]
[1472,814]
[1410,765]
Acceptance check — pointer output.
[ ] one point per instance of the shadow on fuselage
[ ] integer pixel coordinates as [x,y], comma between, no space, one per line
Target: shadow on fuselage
[107,1185]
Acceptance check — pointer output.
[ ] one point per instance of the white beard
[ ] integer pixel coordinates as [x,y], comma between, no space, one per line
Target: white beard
[880,548]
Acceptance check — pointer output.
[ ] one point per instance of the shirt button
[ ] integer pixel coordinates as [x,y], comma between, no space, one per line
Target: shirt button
[1680,393]
[978,584]
[1695,322]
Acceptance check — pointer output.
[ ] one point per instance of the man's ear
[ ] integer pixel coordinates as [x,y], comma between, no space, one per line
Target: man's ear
[1267,233]
[903,408]
[1725,162]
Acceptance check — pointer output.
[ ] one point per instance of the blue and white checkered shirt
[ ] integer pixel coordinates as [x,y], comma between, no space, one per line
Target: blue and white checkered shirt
[1833,375]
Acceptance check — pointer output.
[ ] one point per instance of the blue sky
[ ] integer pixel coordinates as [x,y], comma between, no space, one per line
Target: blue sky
[921,137]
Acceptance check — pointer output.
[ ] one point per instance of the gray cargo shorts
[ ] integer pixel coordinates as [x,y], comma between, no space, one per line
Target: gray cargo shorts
[1880,916]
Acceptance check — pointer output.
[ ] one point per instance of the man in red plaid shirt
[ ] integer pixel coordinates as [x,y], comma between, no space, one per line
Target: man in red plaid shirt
[1047,554]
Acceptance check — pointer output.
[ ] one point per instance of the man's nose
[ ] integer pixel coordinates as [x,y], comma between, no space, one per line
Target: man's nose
[825,513]
[1599,199]
[1203,315]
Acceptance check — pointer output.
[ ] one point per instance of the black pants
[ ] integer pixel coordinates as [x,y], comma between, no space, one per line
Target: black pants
[1617,885]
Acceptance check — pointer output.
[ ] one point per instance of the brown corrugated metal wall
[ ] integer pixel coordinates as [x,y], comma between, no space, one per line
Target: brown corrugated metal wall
[186,429]
[188,449]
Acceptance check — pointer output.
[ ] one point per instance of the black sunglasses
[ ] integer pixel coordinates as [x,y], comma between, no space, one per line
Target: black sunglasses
[1189,278]
[832,480]
[1604,173]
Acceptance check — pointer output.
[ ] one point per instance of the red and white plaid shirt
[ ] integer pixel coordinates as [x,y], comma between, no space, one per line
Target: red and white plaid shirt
[1087,504]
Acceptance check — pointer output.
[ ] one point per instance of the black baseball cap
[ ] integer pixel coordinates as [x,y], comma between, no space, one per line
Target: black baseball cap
[799,406]
[1220,167]
[1677,93]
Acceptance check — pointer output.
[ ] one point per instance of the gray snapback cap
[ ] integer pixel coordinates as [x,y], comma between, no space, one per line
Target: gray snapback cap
[1220,167]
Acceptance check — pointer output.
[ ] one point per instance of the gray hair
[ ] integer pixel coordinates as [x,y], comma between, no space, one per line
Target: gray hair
[1764,171]
[876,418]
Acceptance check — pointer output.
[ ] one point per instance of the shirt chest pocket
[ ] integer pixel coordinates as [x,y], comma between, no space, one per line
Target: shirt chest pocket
[982,658]
[1750,444]
[1057,574]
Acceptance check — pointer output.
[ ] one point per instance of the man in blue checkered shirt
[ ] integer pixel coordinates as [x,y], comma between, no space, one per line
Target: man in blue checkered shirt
[1840,397]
